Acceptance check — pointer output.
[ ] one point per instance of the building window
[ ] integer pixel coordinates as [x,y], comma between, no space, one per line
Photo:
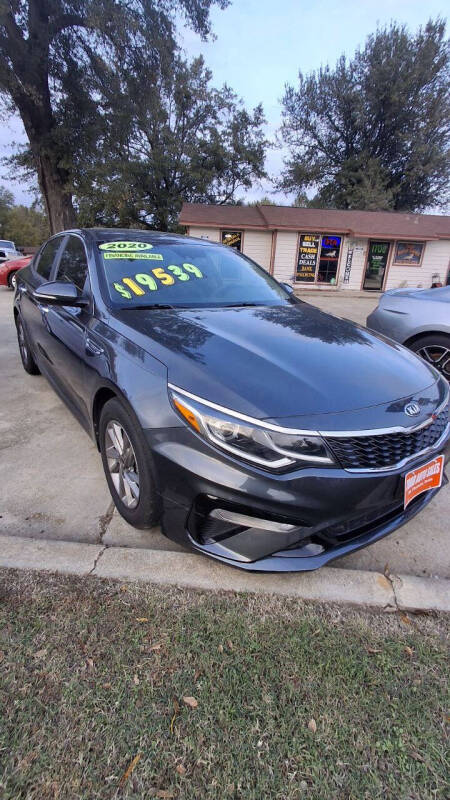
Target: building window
[329,259]
[232,239]
[408,253]
[318,258]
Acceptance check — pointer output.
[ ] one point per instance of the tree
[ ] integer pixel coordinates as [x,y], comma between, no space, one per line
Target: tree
[6,203]
[50,54]
[265,201]
[169,136]
[26,226]
[373,133]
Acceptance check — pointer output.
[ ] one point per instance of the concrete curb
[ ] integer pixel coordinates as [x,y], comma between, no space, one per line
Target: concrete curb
[330,585]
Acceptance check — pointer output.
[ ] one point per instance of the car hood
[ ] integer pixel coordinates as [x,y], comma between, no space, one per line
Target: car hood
[276,361]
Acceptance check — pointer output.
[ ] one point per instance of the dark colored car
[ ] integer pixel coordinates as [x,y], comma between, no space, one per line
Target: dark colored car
[256,428]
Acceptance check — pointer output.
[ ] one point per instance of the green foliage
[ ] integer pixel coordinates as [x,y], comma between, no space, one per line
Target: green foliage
[54,58]
[265,201]
[373,132]
[167,136]
[6,203]
[27,227]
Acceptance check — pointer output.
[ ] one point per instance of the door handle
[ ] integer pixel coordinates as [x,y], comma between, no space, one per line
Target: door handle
[93,349]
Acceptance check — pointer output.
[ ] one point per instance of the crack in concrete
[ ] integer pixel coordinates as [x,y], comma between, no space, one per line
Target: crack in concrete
[97,559]
[104,521]
[389,577]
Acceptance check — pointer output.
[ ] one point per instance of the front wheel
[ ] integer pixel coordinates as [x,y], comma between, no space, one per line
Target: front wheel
[435,349]
[128,466]
[12,280]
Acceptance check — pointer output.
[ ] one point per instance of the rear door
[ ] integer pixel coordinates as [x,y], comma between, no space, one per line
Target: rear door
[68,325]
[34,313]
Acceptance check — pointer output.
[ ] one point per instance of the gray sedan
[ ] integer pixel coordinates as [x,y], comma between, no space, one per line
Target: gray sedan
[419,319]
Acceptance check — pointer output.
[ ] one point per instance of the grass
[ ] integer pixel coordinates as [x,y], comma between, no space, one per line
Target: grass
[93,676]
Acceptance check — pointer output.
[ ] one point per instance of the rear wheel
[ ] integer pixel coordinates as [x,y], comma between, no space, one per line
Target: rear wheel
[435,349]
[29,364]
[12,280]
[128,466]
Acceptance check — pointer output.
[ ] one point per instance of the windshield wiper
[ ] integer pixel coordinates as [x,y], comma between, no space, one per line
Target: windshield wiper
[241,305]
[146,307]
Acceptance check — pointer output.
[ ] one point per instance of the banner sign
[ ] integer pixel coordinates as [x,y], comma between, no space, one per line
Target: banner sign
[307,257]
[348,265]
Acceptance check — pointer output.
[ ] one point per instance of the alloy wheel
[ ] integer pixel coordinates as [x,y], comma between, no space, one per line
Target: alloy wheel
[122,463]
[13,281]
[438,356]
[22,341]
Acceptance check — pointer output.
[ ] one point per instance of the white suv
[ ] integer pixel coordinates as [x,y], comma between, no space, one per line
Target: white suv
[8,250]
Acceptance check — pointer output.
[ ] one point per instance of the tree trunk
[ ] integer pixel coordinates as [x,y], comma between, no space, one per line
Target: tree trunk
[28,85]
[58,201]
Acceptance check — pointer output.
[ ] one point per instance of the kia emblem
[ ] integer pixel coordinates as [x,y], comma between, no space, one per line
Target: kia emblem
[412,409]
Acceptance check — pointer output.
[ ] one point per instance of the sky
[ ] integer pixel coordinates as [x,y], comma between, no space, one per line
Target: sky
[261,45]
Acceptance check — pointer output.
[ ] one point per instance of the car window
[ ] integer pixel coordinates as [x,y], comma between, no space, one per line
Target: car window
[73,267]
[5,243]
[47,258]
[184,274]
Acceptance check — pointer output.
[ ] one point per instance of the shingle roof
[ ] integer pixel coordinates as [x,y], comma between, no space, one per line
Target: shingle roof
[203,214]
[355,223]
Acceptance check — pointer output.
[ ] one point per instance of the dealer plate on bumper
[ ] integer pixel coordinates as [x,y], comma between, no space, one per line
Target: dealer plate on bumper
[421,479]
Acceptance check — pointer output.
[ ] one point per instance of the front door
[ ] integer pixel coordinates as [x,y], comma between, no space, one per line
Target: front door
[68,325]
[377,260]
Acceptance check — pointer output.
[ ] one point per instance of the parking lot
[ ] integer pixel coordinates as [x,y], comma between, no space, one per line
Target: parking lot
[52,483]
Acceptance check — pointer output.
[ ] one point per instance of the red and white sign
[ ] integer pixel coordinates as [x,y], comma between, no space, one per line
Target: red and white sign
[421,479]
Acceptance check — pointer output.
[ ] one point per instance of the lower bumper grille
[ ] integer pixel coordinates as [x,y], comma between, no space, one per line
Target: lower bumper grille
[382,451]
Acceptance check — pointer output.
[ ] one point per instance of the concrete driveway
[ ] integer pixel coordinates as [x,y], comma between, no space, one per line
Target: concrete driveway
[52,484]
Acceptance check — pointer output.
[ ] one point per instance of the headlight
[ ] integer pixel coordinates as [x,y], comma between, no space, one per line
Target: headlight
[250,439]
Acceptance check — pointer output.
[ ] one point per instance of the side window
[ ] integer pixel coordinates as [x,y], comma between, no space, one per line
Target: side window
[47,257]
[73,266]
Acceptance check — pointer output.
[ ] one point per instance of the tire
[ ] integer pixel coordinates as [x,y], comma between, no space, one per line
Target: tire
[28,362]
[12,278]
[434,348]
[130,473]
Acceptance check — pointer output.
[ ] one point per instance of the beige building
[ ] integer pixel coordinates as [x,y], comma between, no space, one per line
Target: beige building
[330,249]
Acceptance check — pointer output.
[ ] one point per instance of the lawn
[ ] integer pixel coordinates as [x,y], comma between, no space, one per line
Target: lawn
[128,691]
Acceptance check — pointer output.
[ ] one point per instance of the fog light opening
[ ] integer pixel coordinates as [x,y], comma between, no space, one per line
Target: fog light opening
[247,521]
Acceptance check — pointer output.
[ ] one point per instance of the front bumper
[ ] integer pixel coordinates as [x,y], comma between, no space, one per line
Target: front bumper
[330,512]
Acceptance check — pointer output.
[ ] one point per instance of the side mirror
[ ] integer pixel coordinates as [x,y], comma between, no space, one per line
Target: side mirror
[59,293]
[288,287]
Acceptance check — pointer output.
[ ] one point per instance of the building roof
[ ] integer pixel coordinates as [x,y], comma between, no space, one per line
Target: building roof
[355,223]
[228,216]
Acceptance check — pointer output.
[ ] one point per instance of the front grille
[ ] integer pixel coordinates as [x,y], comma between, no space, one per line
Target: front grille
[386,449]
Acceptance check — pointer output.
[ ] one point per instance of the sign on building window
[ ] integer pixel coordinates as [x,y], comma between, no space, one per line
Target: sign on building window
[307,257]
[232,239]
[408,253]
[329,259]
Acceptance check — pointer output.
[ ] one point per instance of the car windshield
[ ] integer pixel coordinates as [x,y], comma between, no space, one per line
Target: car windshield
[5,243]
[183,274]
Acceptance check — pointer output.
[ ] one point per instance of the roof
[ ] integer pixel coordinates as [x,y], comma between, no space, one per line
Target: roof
[356,223]
[229,216]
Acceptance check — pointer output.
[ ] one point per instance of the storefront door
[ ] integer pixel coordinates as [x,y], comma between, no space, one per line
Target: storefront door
[377,260]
